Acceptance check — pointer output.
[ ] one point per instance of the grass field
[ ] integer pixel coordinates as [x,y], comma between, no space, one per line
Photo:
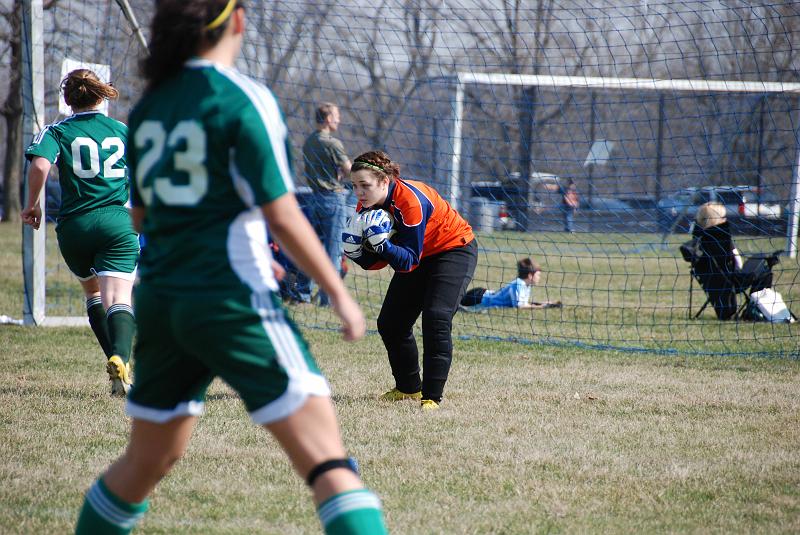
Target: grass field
[626,291]
[531,439]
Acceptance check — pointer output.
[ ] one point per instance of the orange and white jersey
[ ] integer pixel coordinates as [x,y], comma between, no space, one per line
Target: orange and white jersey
[426,225]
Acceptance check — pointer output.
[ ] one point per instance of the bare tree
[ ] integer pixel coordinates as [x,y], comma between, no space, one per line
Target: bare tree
[522,38]
[518,37]
[393,57]
[748,42]
[11,108]
[76,31]
[762,36]
[285,49]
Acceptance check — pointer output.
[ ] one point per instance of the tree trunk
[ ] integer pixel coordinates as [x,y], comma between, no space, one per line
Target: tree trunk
[12,169]
[12,113]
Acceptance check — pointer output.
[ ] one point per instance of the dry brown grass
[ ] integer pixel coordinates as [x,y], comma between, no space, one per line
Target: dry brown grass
[529,440]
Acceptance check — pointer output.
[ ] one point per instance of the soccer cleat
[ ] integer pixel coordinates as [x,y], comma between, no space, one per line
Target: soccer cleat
[429,405]
[120,376]
[395,395]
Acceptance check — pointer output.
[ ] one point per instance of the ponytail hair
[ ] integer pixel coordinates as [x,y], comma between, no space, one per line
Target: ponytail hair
[379,163]
[82,89]
[180,28]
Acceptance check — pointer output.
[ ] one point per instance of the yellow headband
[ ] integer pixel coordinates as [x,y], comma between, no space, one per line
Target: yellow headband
[222,17]
[372,165]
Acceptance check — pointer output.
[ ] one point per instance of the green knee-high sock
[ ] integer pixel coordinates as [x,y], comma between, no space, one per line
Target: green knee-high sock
[97,321]
[105,514]
[356,512]
[121,327]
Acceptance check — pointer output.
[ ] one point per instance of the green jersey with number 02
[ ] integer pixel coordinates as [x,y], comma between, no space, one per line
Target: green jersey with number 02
[90,150]
[209,146]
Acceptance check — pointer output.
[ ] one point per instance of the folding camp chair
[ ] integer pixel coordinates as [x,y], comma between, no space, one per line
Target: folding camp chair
[721,286]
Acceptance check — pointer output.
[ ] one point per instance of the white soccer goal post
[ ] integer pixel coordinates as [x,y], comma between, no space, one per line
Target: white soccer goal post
[464,79]
[33,242]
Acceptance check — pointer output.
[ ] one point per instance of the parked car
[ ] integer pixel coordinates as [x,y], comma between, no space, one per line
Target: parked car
[639,201]
[545,195]
[498,196]
[541,206]
[606,205]
[749,204]
[541,201]
[748,209]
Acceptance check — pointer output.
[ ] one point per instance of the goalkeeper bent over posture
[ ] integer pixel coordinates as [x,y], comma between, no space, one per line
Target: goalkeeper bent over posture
[433,253]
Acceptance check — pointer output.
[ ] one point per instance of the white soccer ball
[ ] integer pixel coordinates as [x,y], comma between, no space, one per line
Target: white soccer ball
[353,237]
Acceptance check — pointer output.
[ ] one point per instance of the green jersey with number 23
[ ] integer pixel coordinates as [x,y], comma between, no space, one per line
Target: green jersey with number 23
[208,147]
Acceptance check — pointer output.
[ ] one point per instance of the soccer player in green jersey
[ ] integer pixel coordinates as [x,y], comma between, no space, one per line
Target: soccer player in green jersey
[94,229]
[211,179]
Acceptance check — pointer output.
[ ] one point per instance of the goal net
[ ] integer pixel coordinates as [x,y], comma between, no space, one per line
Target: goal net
[649,109]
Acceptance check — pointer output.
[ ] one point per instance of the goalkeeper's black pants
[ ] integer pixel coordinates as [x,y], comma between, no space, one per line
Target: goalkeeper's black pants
[434,290]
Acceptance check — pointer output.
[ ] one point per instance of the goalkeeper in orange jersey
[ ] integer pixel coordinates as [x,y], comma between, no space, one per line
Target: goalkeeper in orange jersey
[433,252]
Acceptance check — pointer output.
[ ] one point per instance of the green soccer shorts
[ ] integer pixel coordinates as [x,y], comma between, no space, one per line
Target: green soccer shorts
[101,242]
[184,342]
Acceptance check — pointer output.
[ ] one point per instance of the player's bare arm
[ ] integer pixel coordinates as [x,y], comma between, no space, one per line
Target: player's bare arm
[37,176]
[297,238]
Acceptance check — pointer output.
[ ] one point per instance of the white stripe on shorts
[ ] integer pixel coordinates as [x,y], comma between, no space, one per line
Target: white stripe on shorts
[302,381]
[118,275]
[160,416]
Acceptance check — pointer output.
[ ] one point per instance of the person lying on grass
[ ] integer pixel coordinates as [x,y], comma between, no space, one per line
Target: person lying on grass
[515,294]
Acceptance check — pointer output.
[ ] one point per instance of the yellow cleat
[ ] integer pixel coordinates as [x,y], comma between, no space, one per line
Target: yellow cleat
[395,395]
[429,405]
[119,374]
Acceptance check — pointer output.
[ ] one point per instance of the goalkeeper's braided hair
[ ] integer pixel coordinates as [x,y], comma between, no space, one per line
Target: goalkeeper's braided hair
[179,31]
[379,163]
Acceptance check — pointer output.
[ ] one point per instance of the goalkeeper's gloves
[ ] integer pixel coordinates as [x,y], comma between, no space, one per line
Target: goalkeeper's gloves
[352,237]
[378,230]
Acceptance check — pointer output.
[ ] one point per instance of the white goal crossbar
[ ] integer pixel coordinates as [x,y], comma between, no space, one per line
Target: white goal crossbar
[463,79]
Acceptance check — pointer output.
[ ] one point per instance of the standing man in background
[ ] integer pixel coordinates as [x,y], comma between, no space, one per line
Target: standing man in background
[327,170]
